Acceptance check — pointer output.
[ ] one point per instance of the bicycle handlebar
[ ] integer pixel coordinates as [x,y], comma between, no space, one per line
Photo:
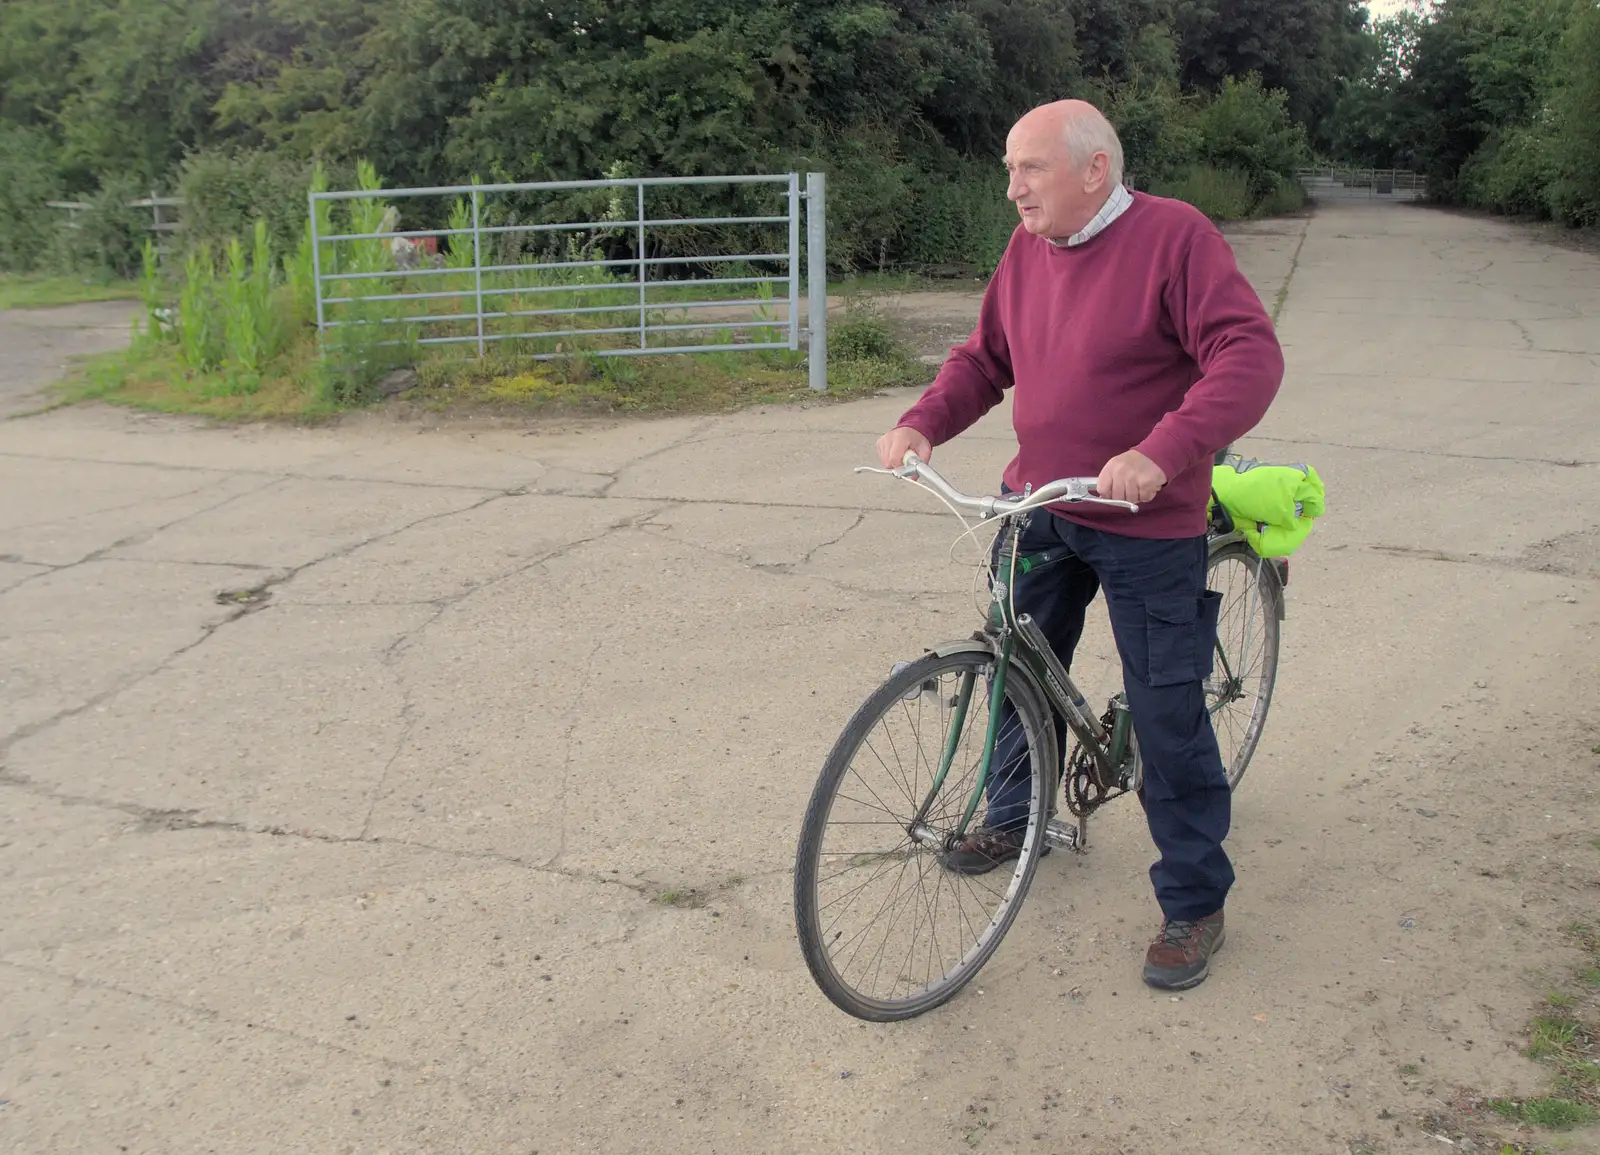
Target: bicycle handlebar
[1071,490]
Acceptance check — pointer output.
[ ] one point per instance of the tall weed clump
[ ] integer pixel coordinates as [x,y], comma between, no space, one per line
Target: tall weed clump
[231,320]
[365,338]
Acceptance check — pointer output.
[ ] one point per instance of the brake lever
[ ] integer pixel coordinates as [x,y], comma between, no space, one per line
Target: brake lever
[1130,506]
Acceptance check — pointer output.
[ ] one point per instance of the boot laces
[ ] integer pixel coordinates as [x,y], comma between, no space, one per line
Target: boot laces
[1177,931]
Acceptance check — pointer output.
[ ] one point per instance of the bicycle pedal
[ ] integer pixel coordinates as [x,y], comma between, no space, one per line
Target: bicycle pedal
[1061,835]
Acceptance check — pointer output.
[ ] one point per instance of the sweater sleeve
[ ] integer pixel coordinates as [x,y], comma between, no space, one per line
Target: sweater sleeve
[974,378]
[1220,323]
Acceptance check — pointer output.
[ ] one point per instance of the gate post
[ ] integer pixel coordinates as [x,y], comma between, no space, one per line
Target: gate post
[817,278]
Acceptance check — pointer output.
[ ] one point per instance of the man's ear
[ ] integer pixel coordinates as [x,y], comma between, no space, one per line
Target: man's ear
[1095,175]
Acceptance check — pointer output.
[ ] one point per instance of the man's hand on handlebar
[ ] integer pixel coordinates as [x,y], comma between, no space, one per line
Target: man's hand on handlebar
[1131,476]
[892,446]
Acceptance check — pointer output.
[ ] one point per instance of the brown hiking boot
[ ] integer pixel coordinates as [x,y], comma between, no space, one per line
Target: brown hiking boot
[1180,957]
[984,849]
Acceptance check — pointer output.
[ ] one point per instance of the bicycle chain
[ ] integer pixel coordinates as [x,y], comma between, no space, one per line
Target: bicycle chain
[1085,793]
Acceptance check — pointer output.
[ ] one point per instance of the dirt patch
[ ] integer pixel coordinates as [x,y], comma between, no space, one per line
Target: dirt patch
[1574,554]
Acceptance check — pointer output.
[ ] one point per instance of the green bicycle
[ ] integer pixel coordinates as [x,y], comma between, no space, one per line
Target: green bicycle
[887,932]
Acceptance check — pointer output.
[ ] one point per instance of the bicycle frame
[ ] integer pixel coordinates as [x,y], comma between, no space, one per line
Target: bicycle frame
[1018,638]
[1013,638]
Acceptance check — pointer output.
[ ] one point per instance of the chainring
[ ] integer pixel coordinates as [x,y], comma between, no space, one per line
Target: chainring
[1085,792]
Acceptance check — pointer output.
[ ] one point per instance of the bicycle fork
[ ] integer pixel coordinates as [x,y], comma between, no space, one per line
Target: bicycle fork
[918,828]
[1073,836]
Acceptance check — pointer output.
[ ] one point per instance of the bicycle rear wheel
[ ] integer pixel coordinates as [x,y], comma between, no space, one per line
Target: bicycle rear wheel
[887,930]
[1245,668]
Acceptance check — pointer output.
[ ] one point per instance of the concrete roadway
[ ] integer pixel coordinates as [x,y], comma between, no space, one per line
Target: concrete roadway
[343,770]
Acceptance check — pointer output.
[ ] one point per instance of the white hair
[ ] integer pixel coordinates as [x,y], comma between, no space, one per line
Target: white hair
[1088,133]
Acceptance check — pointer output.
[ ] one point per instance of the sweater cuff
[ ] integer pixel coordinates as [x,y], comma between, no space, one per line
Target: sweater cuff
[923,425]
[1163,449]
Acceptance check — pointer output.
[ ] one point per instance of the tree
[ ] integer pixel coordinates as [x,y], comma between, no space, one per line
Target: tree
[1575,121]
[1306,48]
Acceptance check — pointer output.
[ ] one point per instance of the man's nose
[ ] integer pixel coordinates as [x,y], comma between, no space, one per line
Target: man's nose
[1015,189]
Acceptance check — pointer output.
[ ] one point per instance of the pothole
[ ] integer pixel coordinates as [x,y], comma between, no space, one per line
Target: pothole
[247,598]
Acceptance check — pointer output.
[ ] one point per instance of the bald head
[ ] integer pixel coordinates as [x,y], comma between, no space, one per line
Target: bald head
[1079,128]
[1064,159]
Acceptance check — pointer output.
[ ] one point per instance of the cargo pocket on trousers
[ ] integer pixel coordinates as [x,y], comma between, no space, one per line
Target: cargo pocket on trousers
[1181,634]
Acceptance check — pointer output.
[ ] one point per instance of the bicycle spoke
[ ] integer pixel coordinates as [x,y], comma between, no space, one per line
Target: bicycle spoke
[873,792]
[892,921]
[1240,687]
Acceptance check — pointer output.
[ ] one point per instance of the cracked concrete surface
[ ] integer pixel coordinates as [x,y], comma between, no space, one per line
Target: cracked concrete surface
[341,769]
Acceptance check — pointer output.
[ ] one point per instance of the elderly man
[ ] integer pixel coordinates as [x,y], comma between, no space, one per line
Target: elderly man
[1135,350]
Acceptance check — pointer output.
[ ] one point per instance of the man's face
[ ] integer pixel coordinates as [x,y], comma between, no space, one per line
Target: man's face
[1054,197]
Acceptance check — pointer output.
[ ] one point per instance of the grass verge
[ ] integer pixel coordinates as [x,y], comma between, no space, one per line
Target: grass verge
[682,383]
[18,291]
[1564,1036]
[154,375]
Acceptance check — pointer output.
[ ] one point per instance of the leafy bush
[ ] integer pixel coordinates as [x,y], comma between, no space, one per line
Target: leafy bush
[961,218]
[1222,194]
[28,178]
[1157,129]
[226,193]
[1511,172]
[869,186]
[862,335]
[106,238]
[1247,128]
[1288,197]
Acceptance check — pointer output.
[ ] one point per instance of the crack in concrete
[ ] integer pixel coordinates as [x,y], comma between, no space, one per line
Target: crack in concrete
[788,569]
[278,578]
[112,508]
[1294,263]
[616,475]
[854,525]
[408,724]
[675,500]
[146,534]
[441,605]
[155,819]
[240,565]
[28,730]
[276,475]
[1564,463]
[575,717]
[79,982]
[1522,563]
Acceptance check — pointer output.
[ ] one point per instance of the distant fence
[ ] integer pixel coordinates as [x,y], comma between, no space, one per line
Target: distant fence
[162,221]
[612,287]
[1341,183]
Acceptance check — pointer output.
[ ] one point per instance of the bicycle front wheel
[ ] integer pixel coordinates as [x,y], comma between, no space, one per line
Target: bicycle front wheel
[1245,666]
[889,922]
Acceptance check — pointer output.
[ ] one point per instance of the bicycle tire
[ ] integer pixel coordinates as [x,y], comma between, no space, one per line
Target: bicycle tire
[815,943]
[1240,742]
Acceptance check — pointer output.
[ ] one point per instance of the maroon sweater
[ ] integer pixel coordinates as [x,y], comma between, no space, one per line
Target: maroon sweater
[1144,337]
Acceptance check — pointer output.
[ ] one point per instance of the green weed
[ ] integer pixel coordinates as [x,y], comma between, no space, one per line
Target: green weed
[1551,1114]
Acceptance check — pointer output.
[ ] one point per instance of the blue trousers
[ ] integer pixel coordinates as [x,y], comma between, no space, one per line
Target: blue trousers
[1165,622]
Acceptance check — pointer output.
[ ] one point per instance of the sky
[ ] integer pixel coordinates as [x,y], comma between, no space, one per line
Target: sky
[1381,8]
